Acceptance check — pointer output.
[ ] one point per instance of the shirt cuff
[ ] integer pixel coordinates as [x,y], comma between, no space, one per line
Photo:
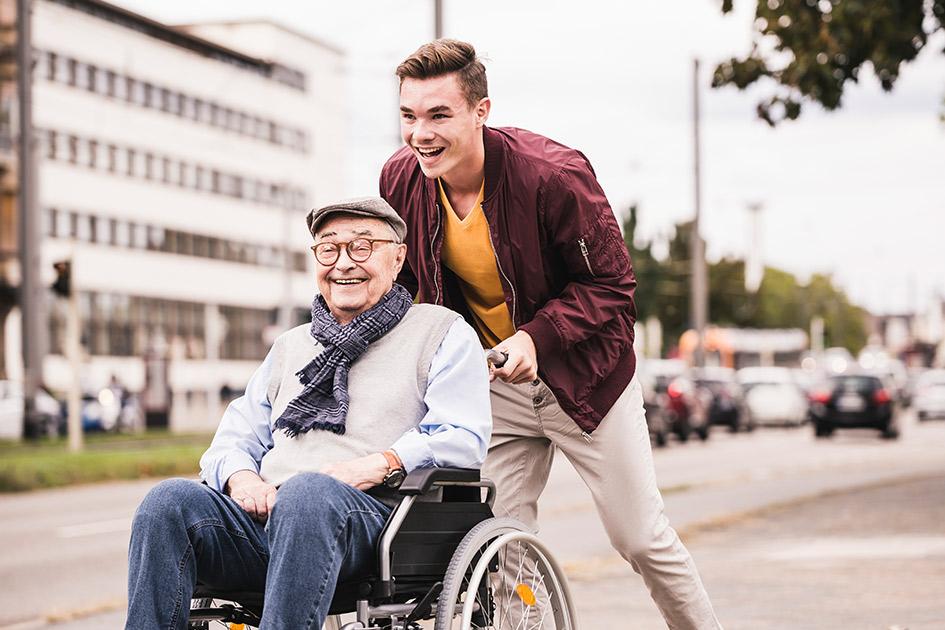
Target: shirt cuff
[413,451]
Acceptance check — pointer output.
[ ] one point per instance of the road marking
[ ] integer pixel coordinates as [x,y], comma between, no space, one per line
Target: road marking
[111,526]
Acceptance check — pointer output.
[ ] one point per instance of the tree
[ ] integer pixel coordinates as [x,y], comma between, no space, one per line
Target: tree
[781,302]
[811,49]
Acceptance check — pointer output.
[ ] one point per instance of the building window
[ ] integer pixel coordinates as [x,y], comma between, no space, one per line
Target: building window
[112,152]
[51,63]
[73,149]
[71,71]
[93,154]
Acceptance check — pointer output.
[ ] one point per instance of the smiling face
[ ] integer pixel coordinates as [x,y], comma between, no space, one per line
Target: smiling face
[350,287]
[441,127]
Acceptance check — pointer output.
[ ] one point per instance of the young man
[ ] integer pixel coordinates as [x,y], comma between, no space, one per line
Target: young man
[512,230]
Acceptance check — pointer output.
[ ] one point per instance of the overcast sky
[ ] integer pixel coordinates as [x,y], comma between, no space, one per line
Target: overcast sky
[859,193]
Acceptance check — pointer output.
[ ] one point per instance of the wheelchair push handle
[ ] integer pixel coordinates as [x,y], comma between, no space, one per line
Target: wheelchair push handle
[495,358]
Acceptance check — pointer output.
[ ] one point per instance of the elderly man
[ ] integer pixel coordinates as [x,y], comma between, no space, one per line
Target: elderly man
[340,408]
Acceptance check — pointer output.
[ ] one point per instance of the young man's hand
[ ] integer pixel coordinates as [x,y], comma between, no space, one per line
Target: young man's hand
[361,473]
[252,494]
[522,364]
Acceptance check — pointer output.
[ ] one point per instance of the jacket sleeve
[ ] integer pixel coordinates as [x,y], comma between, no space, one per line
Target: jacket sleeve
[406,278]
[580,225]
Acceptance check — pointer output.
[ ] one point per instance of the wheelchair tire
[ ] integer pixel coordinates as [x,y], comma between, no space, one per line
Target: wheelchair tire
[475,590]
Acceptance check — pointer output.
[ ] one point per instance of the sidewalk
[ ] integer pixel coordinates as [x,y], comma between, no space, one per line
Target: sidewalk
[863,559]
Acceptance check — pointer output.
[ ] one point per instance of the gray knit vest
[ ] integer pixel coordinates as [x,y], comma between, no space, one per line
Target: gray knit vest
[386,386]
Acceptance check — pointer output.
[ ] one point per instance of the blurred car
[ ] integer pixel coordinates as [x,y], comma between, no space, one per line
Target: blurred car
[45,422]
[684,410]
[111,409]
[655,420]
[687,408]
[853,401]
[773,397]
[726,403]
[929,396]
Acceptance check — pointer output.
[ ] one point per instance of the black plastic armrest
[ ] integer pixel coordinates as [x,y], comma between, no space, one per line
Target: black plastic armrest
[421,480]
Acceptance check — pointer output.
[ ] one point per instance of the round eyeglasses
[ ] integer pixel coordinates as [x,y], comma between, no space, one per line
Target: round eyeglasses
[359,250]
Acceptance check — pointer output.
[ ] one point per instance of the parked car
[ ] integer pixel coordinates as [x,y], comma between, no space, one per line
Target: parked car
[111,409]
[687,408]
[928,399]
[47,420]
[655,419]
[683,407]
[726,403]
[773,397]
[853,401]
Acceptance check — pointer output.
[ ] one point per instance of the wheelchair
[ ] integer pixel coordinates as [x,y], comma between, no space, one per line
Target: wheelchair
[439,558]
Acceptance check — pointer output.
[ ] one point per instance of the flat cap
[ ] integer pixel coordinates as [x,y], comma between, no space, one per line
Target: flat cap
[374,207]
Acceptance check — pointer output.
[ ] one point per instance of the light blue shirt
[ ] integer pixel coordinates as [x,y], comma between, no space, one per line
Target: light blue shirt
[454,432]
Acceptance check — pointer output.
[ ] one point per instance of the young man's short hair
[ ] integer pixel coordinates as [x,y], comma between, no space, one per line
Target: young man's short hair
[446,56]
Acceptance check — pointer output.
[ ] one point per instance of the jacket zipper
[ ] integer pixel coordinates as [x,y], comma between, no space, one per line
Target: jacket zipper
[587,260]
[499,266]
[436,268]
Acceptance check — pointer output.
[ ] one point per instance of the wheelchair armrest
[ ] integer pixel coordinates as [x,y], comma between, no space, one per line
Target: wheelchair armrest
[422,480]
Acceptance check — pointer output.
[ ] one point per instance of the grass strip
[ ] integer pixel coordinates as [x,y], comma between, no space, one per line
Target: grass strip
[50,465]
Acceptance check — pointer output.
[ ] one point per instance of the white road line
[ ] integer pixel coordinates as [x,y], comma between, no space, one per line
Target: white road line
[111,526]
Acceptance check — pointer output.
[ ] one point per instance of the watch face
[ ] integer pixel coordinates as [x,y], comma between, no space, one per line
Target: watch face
[395,477]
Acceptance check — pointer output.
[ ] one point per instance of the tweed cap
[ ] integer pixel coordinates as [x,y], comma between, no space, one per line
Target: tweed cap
[374,207]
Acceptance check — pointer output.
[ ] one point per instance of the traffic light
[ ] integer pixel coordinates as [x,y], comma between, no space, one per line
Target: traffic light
[63,283]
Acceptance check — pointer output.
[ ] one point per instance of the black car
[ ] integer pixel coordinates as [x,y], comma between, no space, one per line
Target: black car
[727,403]
[851,401]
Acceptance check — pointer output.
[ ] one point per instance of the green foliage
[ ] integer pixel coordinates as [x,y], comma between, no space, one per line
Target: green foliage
[811,49]
[780,302]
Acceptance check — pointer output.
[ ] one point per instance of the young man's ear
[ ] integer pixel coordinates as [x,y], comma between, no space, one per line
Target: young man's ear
[482,111]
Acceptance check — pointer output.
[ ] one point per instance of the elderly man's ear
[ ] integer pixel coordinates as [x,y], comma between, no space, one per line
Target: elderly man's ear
[399,259]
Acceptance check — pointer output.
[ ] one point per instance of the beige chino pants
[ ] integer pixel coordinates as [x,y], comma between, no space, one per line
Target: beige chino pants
[616,464]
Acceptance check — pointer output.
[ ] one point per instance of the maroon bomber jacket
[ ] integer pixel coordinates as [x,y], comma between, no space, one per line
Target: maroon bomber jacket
[562,262]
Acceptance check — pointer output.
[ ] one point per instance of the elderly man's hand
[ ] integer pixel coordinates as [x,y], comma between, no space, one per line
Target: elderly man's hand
[252,494]
[361,473]
[522,364]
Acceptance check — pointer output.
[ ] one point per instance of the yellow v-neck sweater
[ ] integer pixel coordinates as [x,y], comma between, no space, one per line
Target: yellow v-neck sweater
[468,253]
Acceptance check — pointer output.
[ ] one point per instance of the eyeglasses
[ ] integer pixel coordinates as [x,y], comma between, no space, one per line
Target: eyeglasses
[359,250]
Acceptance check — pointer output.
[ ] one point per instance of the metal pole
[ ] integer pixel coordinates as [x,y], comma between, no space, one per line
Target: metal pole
[73,353]
[698,302]
[754,266]
[31,292]
[437,19]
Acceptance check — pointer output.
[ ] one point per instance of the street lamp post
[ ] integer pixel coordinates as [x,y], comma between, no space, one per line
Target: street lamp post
[698,297]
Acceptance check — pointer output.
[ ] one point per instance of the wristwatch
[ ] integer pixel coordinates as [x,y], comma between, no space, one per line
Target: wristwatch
[396,475]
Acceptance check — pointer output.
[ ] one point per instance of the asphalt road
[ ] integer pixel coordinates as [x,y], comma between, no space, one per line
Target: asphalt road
[64,551]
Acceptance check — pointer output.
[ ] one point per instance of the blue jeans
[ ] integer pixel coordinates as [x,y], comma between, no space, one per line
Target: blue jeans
[320,531]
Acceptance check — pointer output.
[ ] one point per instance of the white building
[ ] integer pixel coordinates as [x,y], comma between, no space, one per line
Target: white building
[176,168]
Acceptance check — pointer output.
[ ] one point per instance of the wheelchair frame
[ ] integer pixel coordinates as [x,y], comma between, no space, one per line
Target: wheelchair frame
[374,596]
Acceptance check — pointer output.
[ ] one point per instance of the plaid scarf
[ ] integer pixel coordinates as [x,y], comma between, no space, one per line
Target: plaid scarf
[323,402]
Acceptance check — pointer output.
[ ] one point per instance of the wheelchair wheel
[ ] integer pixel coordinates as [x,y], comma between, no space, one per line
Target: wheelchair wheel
[501,577]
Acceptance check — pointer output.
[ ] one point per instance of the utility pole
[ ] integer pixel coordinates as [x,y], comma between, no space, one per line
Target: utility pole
[31,291]
[437,19]
[698,297]
[754,266]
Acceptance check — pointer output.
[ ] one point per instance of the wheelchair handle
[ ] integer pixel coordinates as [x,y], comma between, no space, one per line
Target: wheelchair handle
[496,358]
